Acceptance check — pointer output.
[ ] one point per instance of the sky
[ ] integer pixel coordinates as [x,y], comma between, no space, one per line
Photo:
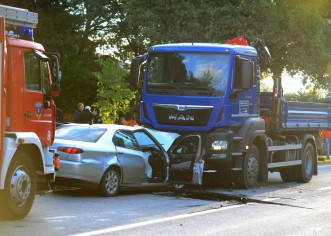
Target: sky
[290,84]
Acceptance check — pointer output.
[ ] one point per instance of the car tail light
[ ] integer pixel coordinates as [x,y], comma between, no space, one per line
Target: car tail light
[70,150]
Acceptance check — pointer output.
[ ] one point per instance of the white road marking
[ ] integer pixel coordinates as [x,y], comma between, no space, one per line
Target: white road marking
[323,188]
[134,225]
[323,166]
[271,199]
[58,217]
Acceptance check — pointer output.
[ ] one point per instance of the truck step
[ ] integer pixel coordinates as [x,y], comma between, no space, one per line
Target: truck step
[236,154]
[236,138]
[284,164]
[285,147]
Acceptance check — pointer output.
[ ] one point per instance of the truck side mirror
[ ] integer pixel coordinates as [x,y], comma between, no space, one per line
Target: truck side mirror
[263,51]
[244,73]
[56,74]
[40,56]
[55,90]
[134,71]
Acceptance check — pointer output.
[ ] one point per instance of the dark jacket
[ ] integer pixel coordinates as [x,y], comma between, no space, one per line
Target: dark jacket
[85,117]
[76,115]
[97,120]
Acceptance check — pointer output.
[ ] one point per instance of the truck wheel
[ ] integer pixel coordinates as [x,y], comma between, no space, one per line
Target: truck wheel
[178,188]
[304,172]
[20,188]
[287,175]
[110,183]
[248,176]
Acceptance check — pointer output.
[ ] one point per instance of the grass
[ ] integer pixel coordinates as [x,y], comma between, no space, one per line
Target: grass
[322,159]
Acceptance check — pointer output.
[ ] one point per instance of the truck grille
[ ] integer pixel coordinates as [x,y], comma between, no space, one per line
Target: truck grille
[185,115]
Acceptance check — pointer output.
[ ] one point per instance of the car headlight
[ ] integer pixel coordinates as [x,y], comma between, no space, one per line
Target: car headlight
[219,145]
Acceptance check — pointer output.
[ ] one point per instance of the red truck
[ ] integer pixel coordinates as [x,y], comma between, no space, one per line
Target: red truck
[29,80]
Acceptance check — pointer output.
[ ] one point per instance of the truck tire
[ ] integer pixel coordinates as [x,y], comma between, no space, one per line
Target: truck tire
[304,172]
[248,177]
[287,174]
[20,188]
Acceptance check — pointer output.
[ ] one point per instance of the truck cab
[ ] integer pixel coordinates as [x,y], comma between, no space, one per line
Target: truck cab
[205,78]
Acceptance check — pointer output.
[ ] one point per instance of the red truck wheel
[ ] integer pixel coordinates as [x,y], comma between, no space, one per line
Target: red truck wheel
[20,188]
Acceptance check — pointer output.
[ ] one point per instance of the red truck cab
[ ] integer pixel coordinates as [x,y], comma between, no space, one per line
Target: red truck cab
[29,102]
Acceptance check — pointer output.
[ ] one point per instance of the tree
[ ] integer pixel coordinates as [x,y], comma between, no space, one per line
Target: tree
[114,94]
[296,32]
[297,35]
[60,30]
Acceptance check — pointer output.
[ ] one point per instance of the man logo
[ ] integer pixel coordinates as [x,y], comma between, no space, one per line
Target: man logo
[181,117]
[181,107]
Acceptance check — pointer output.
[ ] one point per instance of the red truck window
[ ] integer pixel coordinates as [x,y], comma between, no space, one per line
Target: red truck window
[32,72]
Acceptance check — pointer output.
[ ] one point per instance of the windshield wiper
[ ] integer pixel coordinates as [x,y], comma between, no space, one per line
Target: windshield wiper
[212,92]
[166,86]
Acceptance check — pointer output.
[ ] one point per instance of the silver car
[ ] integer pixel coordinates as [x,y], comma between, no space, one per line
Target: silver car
[108,158]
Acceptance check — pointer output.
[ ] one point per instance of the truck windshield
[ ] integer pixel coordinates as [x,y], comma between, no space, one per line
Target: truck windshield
[182,73]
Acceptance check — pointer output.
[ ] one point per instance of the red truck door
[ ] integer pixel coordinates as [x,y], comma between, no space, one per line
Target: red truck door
[38,110]
[2,81]
[29,102]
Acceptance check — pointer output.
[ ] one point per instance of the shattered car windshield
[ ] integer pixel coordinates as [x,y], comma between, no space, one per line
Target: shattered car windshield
[188,73]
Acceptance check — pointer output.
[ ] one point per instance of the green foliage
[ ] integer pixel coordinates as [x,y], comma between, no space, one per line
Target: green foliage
[114,95]
[297,33]
[59,30]
[311,96]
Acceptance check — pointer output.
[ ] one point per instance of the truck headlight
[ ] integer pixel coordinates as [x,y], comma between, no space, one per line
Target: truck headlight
[219,145]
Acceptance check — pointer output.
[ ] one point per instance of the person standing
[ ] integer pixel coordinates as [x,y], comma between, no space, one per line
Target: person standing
[326,135]
[86,116]
[97,118]
[59,115]
[77,112]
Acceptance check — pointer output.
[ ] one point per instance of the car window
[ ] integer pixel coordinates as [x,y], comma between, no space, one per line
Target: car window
[79,133]
[144,140]
[188,145]
[125,138]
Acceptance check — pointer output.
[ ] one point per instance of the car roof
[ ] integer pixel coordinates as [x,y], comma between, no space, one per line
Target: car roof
[107,126]
[164,138]
[110,127]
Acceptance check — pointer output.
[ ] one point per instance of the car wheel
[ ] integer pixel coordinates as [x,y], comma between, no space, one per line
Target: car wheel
[178,188]
[110,183]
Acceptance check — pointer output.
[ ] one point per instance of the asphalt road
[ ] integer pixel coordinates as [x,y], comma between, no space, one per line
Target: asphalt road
[275,208]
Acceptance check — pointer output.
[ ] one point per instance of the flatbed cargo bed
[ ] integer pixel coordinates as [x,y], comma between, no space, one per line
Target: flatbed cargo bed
[298,115]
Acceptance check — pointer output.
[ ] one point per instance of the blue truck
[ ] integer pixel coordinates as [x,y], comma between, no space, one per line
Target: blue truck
[214,90]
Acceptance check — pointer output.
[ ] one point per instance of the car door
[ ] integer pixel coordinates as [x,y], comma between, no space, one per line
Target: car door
[130,157]
[156,158]
[186,161]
